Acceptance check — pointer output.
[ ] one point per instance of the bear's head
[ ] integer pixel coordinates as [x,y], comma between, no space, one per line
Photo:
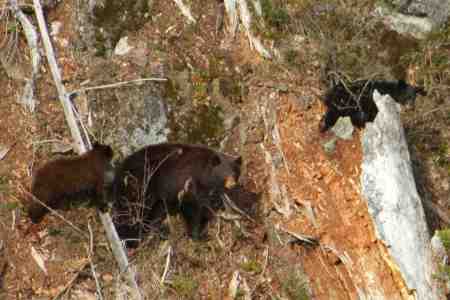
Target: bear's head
[104,150]
[405,93]
[223,171]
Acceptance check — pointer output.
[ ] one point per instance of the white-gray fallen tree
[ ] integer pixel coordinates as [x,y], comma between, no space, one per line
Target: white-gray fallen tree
[396,209]
[27,99]
[80,147]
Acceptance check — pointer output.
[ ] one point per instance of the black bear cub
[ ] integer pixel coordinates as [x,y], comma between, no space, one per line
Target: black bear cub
[355,100]
[67,177]
[170,178]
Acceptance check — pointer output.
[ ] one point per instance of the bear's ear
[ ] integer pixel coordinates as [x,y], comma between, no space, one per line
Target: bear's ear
[95,145]
[215,160]
[421,91]
[238,161]
[108,151]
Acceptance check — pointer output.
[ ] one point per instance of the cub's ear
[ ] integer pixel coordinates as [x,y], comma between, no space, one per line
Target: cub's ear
[215,160]
[421,90]
[95,145]
[238,161]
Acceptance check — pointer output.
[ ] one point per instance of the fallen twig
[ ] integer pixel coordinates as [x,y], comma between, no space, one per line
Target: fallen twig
[34,198]
[301,237]
[80,147]
[27,98]
[185,11]
[69,285]
[39,260]
[5,150]
[63,96]
[233,206]
[119,254]
[344,257]
[116,85]
[166,268]
[90,253]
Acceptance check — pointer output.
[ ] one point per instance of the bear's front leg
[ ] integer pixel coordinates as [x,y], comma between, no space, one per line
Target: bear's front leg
[328,120]
[193,214]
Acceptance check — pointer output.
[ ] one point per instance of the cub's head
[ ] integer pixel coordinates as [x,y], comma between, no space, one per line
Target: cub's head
[224,171]
[104,150]
[406,94]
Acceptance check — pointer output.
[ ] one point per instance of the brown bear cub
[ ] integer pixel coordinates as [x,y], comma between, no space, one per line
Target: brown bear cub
[67,177]
[170,178]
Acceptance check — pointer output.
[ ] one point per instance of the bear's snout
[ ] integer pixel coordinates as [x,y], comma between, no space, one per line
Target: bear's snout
[230,182]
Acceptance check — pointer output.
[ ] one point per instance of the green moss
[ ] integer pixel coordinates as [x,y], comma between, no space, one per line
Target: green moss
[202,122]
[444,235]
[274,15]
[4,185]
[116,17]
[295,286]
[252,266]
[208,125]
[442,155]
[9,206]
[443,273]
[185,287]
[277,19]
[55,231]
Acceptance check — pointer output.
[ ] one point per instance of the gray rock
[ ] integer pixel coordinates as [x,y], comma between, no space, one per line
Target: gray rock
[138,118]
[436,10]
[330,146]
[403,24]
[416,17]
[122,47]
[388,185]
[439,251]
[343,128]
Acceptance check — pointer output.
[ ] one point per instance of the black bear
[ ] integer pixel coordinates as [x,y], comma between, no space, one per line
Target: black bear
[355,100]
[67,177]
[171,178]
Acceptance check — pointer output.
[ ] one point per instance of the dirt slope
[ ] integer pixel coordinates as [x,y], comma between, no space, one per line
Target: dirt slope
[349,260]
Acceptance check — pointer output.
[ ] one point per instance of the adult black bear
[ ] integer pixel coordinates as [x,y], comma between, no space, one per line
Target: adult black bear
[169,178]
[355,100]
[67,177]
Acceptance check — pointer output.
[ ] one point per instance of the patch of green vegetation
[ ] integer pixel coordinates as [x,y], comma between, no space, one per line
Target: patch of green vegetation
[291,56]
[12,28]
[252,266]
[55,231]
[208,125]
[100,45]
[240,294]
[9,206]
[116,17]
[386,3]
[444,235]
[232,88]
[185,287]
[443,273]
[4,185]
[276,20]
[295,286]
[275,15]
[443,155]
